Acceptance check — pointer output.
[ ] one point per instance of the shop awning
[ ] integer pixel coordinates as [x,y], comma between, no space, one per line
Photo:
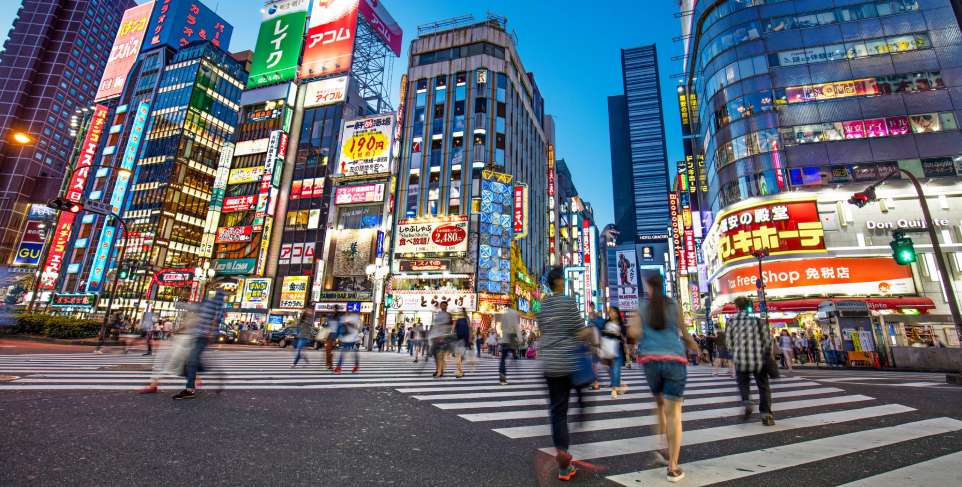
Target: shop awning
[811,304]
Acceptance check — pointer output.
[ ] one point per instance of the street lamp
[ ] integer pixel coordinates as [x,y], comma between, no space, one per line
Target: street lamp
[760,254]
[22,138]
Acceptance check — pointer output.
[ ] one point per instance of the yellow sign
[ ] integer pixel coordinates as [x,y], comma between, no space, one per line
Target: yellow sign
[245,175]
[294,292]
[365,145]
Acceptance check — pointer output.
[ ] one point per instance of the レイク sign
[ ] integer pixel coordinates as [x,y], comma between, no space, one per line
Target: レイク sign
[783,226]
[278,42]
[433,236]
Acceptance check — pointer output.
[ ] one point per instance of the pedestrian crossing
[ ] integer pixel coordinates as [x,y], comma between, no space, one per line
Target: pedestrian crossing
[817,420]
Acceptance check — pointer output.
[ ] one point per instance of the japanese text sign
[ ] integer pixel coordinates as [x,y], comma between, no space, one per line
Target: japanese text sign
[127,43]
[278,42]
[326,92]
[432,236]
[177,23]
[861,276]
[78,178]
[366,193]
[329,44]
[366,146]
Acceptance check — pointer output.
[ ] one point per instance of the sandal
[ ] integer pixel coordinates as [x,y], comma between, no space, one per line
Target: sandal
[675,475]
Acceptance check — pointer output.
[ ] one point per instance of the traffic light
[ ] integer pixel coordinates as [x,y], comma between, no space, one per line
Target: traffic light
[903,249]
[862,198]
[388,300]
[123,274]
[65,205]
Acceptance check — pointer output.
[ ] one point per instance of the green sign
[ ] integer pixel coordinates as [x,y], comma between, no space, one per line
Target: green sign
[279,42]
[234,267]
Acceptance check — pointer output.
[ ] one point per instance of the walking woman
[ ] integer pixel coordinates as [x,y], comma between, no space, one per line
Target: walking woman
[563,333]
[788,352]
[723,357]
[612,342]
[661,346]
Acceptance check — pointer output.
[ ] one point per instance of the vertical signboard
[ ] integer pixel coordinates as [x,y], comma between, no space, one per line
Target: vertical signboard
[329,45]
[217,199]
[381,22]
[176,23]
[278,42]
[520,210]
[31,245]
[366,146]
[100,258]
[130,35]
[494,259]
[627,280]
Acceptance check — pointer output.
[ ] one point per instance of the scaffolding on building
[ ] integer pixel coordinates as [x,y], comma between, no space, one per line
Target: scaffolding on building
[372,68]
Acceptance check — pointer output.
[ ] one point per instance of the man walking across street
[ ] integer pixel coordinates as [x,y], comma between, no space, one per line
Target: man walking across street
[751,348]
[509,338]
[147,327]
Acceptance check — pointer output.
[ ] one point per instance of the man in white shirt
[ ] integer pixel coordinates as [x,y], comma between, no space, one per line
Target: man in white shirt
[147,327]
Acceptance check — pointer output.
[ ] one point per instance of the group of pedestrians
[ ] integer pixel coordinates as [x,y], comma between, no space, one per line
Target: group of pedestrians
[662,346]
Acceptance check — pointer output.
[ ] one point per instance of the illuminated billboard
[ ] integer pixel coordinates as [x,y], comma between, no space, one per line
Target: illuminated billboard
[127,43]
[329,44]
[177,23]
[278,42]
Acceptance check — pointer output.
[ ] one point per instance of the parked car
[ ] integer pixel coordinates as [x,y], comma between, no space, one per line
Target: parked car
[223,335]
[288,335]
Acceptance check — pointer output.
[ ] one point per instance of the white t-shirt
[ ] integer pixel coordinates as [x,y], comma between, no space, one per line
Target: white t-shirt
[509,325]
[352,323]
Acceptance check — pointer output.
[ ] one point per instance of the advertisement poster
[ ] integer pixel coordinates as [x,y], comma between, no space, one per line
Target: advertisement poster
[234,234]
[243,175]
[124,52]
[78,178]
[234,267]
[326,92]
[238,203]
[307,188]
[862,276]
[366,146]
[440,236]
[627,279]
[248,147]
[781,225]
[383,24]
[897,125]
[294,292]
[177,23]
[365,193]
[58,248]
[297,253]
[329,44]
[352,252]
[278,42]
[520,210]
[257,293]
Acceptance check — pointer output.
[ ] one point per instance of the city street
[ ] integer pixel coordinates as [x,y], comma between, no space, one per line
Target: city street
[75,419]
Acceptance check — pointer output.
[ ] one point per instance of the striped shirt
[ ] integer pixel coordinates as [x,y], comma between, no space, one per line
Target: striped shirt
[748,341]
[559,322]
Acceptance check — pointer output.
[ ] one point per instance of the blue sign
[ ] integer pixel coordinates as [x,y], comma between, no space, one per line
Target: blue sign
[177,23]
[28,254]
[100,258]
[380,243]
[130,155]
[275,319]
[353,307]
[370,221]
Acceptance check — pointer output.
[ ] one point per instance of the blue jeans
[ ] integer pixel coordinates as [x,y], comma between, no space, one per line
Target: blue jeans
[299,348]
[410,347]
[193,362]
[505,348]
[614,370]
[345,348]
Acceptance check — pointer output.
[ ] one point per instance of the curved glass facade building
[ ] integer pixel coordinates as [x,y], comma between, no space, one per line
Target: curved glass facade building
[789,88]
[801,103]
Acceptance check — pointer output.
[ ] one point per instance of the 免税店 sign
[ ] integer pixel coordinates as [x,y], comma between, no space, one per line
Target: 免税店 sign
[851,276]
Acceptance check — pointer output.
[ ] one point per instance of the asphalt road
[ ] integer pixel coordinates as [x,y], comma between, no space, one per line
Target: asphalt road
[72,419]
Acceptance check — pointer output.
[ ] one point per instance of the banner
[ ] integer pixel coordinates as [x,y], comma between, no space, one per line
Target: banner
[432,236]
[840,276]
[627,279]
[294,292]
[429,300]
[366,146]
[326,92]
[278,42]
[100,258]
[238,203]
[243,175]
[31,245]
[256,294]
[329,45]
[366,193]
[520,210]
[297,253]
[81,170]
[124,52]
[248,147]
[233,267]
[58,249]
[382,23]
[307,188]
[424,265]
[177,23]
[73,300]
[781,225]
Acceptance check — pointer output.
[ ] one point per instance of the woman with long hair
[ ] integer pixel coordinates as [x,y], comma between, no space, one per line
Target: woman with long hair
[661,346]
[613,341]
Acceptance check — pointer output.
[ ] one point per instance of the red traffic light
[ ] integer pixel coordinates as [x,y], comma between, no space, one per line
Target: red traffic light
[75,208]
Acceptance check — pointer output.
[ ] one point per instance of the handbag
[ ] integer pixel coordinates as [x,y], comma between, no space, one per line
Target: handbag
[609,348]
[584,373]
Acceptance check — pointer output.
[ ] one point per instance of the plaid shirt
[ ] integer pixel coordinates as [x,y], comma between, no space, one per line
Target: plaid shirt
[748,341]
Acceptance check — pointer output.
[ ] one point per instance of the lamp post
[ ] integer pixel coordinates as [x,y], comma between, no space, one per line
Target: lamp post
[760,254]
[863,198]
[376,272]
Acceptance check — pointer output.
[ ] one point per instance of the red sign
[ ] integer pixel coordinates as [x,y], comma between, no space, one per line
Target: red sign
[781,226]
[307,188]
[518,209]
[130,34]
[367,193]
[175,277]
[238,203]
[78,178]
[33,232]
[448,235]
[384,26]
[860,276]
[329,44]
[424,265]
[235,234]
[677,230]
[58,248]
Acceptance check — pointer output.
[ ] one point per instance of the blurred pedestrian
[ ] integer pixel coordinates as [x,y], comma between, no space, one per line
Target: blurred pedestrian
[597,322]
[305,331]
[510,336]
[750,347]
[661,346]
[330,332]
[400,337]
[478,340]
[441,336]
[613,344]
[203,320]
[564,357]
[462,345]
[492,342]
[349,328]
[147,328]
[379,338]
[813,349]
[723,359]
[788,351]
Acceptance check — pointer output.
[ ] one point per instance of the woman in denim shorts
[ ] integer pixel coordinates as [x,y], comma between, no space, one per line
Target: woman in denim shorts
[661,346]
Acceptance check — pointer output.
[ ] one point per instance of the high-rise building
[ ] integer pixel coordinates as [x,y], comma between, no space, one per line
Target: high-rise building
[50,67]
[472,177]
[578,242]
[800,107]
[639,159]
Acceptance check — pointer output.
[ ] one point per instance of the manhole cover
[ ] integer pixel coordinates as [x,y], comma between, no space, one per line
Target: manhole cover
[8,378]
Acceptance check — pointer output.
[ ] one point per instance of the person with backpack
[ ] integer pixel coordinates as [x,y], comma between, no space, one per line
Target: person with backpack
[661,346]
[565,360]
[752,353]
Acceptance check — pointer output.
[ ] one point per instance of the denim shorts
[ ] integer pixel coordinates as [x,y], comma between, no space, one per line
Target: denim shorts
[667,379]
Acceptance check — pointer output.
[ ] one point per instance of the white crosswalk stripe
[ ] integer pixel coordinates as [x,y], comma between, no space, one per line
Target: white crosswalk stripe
[619,430]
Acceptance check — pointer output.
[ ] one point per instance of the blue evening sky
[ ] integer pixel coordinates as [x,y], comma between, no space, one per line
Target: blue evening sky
[571,46]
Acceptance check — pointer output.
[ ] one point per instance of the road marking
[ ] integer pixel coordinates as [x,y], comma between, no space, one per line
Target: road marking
[612,448]
[938,471]
[732,467]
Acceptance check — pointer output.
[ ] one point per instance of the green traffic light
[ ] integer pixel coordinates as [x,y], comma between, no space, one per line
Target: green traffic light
[903,251]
